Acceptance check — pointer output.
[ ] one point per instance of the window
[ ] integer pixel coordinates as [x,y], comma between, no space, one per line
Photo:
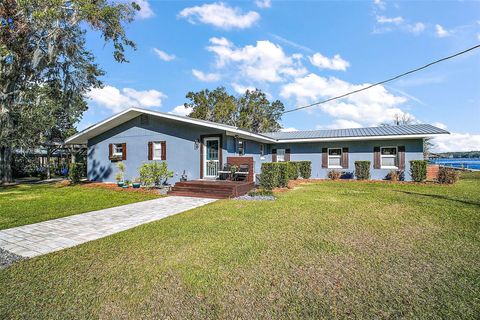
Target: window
[388,157]
[157,151]
[280,155]
[335,158]
[262,150]
[117,150]
[241,147]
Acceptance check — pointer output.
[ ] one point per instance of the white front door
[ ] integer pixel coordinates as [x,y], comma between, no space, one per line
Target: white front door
[211,157]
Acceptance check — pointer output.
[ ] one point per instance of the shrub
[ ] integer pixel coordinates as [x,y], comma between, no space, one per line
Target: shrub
[305,169]
[448,175]
[395,175]
[283,176]
[362,170]
[75,173]
[154,173]
[418,170]
[269,176]
[334,174]
[292,170]
[120,175]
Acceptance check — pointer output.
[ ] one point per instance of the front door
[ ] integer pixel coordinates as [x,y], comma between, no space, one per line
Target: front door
[211,157]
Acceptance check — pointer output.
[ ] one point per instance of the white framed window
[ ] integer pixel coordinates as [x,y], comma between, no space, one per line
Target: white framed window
[262,150]
[117,149]
[389,158]
[157,150]
[335,158]
[280,155]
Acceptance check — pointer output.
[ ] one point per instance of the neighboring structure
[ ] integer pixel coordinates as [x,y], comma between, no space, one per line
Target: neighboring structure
[199,148]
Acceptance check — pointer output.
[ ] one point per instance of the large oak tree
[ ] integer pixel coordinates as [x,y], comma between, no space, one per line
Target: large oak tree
[46,69]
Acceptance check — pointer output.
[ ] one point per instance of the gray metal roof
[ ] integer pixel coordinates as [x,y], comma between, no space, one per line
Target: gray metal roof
[414,129]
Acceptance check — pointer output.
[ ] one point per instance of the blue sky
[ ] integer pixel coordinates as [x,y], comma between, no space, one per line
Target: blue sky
[301,52]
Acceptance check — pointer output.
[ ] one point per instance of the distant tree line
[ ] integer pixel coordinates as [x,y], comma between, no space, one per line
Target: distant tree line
[457,155]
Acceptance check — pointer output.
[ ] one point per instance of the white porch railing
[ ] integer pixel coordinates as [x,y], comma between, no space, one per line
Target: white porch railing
[212,168]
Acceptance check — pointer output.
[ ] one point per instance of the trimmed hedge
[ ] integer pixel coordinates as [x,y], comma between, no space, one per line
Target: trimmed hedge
[277,174]
[418,170]
[305,169]
[362,170]
[448,175]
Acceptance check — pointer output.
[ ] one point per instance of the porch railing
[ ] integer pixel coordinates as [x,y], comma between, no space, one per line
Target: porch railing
[212,168]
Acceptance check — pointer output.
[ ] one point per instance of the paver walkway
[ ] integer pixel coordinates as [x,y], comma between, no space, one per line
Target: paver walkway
[48,236]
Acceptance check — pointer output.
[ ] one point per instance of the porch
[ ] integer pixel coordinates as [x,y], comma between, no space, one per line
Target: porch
[215,189]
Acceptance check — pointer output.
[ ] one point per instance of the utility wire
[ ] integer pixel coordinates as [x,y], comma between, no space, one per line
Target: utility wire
[385,81]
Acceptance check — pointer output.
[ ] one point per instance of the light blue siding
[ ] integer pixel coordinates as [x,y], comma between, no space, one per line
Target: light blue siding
[182,155]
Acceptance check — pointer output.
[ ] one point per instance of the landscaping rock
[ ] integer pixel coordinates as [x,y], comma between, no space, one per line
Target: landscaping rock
[7,258]
[255,198]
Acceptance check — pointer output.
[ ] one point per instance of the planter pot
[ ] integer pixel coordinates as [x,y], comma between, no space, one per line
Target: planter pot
[120,184]
[136,185]
[125,186]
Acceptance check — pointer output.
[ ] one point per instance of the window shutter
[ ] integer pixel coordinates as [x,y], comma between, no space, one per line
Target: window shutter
[376,157]
[124,151]
[164,149]
[401,157]
[150,150]
[110,151]
[274,155]
[345,158]
[287,154]
[324,158]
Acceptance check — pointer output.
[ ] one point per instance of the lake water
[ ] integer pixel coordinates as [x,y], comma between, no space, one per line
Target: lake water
[469,163]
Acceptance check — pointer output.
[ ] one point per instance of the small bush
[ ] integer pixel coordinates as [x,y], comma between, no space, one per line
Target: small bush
[448,175]
[154,173]
[293,170]
[395,175]
[334,174]
[75,173]
[362,170]
[305,169]
[283,174]
[269,176]
[418,170]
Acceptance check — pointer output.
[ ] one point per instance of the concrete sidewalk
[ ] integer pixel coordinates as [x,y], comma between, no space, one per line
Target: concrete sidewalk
[48,236]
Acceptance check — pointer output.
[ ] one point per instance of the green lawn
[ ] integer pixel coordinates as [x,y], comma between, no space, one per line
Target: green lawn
[324,250]
[25,204]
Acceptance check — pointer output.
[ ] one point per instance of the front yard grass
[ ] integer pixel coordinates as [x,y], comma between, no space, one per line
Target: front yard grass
[323,250]
[29,203]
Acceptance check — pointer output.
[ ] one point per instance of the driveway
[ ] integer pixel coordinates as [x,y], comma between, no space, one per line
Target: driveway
[53,235]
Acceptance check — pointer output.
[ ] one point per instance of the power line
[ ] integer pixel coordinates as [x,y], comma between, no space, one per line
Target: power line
[385,81]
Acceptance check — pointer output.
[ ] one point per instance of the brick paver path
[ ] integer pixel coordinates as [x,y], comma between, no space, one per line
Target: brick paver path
[48,236]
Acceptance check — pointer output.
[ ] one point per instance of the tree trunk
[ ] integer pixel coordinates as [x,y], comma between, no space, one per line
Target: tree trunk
[6,165]
[49,174]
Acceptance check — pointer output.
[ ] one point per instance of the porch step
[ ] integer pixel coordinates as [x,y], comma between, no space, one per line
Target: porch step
[211,189]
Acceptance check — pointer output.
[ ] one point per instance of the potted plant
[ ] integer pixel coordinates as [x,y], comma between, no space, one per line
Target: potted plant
[119,176]
[136,183]
[126,184]
[233,169]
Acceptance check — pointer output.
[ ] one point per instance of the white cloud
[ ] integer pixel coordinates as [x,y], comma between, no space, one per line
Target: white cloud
[264,61]
[181,110]
[241,89]
[394,20]
[263,3]
[380,4]
[441,32]
[417,28]
[456,142]
[291,43]
[440,125]
[220,15]
[118,100]
[335,63]
[369,107]
[163,55]
[206,77]
[145,9]
[289,129]
[344,124]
